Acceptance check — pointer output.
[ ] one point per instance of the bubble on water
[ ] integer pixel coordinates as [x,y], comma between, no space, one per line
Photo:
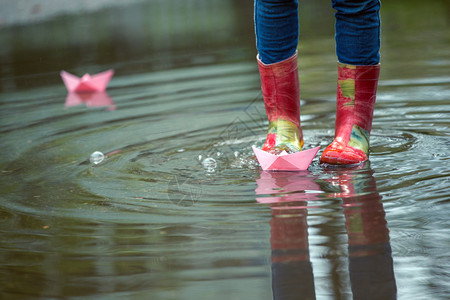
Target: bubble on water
[209,164]
[97,157]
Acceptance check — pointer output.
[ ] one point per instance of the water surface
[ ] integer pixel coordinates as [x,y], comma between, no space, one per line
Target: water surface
[154,220]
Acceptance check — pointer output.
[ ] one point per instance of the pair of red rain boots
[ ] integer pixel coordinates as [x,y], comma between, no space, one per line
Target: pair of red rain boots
[356,92]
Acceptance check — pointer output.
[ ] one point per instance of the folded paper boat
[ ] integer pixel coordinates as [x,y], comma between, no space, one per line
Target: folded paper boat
[285,162]
[87,83]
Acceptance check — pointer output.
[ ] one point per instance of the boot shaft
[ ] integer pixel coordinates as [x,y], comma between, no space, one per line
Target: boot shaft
[356,95]
[281,91]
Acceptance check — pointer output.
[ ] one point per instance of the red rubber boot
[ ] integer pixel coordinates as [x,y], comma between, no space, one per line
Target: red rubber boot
[356,92]
[281,93]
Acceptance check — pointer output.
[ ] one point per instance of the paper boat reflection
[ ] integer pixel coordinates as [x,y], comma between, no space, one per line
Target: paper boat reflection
[285,162]
[99,99]
[287,187]
[87,83]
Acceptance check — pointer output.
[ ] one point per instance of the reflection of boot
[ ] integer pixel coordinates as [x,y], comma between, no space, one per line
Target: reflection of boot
[292,274]
[286,192]
[281,92]
[357,86]
[370,259]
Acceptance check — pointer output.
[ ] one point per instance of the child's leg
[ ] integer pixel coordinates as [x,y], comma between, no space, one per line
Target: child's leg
[276,28]
[357,48]
[357,31]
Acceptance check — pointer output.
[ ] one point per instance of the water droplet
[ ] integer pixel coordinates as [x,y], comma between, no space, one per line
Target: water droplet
[96,157]
[209,163]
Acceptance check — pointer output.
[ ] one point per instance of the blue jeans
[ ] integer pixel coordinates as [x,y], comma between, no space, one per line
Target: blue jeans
[357,30]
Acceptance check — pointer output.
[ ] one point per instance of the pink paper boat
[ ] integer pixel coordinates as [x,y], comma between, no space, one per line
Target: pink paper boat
[87,83]
[285,162]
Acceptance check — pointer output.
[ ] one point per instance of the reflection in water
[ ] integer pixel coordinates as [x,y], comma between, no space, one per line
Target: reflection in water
[369,252]
[286,187]
[292,273]
[96,99]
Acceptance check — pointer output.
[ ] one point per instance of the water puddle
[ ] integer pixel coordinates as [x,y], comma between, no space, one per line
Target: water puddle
[151,189]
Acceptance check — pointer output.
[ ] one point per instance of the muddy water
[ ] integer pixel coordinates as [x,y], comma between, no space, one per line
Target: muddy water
[178,208]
